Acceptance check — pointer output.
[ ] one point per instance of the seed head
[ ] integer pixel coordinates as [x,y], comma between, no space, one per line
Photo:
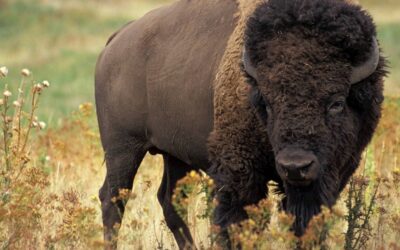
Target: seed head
[17,104]
[38,87]
[3,71]
[42,125]
[46,84]
[7,93]
[25,72]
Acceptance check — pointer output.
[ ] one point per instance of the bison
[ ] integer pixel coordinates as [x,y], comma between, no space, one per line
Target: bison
[248,91]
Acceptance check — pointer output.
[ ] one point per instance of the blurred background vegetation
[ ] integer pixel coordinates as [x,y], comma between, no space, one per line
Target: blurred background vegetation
[59,40]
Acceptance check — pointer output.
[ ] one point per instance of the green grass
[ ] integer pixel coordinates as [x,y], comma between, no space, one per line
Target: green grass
[60,41]
[58,44]
[386,14]
[389,35]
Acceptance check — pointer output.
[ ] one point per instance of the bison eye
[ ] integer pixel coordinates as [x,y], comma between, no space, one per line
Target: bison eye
[337,106]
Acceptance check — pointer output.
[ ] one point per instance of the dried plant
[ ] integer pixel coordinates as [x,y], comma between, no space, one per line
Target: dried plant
[186,187]
[20,182]
[360,206]
[30,214]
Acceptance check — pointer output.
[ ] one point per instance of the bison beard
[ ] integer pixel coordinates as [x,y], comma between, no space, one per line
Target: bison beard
[304,203]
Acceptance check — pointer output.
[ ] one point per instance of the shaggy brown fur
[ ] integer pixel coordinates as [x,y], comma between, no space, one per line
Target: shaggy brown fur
[303,51]
[233,146]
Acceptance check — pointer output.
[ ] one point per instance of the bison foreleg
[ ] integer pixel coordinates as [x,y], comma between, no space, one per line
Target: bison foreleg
[236,188]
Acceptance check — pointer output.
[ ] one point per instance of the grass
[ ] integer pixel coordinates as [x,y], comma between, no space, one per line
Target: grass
[389,35]
[60,41]
[386,14]
[54,204]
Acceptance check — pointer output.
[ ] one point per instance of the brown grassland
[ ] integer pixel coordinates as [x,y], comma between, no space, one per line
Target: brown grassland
[50,175]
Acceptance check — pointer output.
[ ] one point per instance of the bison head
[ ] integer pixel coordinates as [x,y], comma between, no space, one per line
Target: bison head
[316,77]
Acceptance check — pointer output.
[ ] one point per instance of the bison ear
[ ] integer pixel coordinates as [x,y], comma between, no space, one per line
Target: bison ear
[366,69]
[247,65]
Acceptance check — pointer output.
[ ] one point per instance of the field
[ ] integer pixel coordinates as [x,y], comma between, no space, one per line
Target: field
[49,188]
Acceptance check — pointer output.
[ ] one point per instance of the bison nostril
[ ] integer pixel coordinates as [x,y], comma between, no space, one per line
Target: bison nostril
[304,170]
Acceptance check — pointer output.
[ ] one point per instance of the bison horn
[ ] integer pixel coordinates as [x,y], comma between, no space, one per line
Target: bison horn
[361,72]
[248,67]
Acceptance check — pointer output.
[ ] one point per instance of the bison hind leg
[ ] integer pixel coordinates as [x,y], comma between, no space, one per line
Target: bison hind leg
[174,170]
[122,161]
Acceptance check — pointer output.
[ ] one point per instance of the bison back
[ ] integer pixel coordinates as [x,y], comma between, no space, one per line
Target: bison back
[155,77]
